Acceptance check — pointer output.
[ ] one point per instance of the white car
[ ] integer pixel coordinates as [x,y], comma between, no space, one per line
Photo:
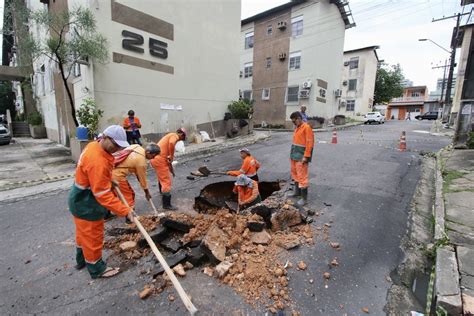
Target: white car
[374,117]
[5,136]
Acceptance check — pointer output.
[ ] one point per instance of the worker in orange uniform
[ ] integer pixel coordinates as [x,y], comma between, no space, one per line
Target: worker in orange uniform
[250,166]
[90,198]
[132,126]
[132,160]
[247,192]
[300,156]
[163,164]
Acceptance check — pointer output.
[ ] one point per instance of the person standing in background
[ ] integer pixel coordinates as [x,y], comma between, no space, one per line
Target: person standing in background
[132,126]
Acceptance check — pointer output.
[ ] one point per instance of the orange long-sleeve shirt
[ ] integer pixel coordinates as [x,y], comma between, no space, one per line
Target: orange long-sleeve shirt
[303,142]
[135,164]
[250,166]
[127,125]
[247,195]
[167,144]
[94,171]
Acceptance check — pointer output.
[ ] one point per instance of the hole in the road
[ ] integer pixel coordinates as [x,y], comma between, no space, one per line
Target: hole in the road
[214,196]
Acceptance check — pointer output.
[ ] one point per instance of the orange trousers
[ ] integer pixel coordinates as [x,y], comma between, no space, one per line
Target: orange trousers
[163,173]
[90,238]
[127,192]
[299,173]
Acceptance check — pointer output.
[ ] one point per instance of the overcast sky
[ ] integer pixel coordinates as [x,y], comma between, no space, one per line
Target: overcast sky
[396,26]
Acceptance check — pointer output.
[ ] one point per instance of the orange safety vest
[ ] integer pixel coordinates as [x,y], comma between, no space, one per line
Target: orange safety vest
[250,166]
[127,124]
[245,194]
[167,144]
[303,143]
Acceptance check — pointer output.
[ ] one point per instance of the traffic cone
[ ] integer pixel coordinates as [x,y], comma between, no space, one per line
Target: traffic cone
[334,137]
[403,142]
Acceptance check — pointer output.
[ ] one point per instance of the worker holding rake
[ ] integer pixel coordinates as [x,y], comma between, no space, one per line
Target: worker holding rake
[250,165]
[90,198]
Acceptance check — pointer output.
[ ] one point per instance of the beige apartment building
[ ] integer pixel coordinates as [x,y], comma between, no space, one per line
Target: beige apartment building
[181,71]
[359,71]
[291,55]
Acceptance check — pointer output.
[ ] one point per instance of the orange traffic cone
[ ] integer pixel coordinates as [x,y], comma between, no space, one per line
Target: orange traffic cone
[334,137]
[403,142]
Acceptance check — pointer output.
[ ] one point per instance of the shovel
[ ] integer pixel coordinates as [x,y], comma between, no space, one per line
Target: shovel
[233,206]
[153,207]
[206,172]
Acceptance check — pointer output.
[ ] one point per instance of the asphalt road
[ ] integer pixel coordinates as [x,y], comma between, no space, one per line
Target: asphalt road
[363,185]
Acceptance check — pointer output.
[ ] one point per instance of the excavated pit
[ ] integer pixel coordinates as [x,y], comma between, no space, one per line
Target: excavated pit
[214,196]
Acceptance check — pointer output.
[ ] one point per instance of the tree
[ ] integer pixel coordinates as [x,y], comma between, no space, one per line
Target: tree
[388,83]
[71,38]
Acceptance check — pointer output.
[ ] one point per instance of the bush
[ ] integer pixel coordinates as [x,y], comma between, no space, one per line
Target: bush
[340,116]
[35,119]
[242,109]
[89,115]
[470,140]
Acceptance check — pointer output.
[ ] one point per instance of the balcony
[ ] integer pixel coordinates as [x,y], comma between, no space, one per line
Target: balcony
[409,99]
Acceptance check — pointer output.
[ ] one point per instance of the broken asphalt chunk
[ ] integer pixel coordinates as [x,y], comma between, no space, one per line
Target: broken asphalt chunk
[171,243]
[118,231]
[159,234]
[172,260]
[255,226]
[178,225]
[197,256]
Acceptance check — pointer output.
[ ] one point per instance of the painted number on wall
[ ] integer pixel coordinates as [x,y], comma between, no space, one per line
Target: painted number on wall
[322,93]
[134,41]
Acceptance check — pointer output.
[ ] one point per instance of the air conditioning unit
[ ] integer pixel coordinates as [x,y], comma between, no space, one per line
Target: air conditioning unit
[304,94]
[346,63]
[282,25]
[282,56]
[344,83]
[338,93]
[342,103]
[241,74]
[307,84]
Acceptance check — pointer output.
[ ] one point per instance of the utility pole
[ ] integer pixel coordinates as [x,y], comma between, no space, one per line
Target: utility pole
[441,100]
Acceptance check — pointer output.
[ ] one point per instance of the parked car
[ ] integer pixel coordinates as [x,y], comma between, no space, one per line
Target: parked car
[427,116]
[5,135]
[374,117]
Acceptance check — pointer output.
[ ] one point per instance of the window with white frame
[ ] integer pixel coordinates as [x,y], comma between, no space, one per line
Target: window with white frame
[247,95]
[297,26]
[269,29]
[295,61]
[350,105]
[248,40]
[415,94]
[292,94]
[266,94]
[354,63]
[248,70]
[352,84]
[269,62]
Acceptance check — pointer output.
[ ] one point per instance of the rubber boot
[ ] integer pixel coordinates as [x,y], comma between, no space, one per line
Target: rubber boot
[167,202]
[296,191]
[304,197]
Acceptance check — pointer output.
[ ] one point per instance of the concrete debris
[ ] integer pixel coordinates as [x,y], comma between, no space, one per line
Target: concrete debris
[146,292]
[188,265]
[128,245]
[289,242]
[179,270]
[365,310]
[327,275]
[171,298]
[286,218]
[301,265]
[172,260]
[335,245]
[209,271]
[334,262]
[222,268]
[214,244]
[261,238]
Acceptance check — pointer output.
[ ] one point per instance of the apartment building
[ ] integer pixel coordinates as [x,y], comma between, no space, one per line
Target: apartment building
[411,103]
[359,72]
[440,92]
[290,56]
[173,63]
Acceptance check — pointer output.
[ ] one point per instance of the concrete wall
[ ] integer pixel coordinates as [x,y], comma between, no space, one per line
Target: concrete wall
[203,53]
[462,65]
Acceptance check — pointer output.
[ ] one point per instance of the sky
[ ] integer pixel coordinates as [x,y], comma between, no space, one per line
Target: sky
[396,26]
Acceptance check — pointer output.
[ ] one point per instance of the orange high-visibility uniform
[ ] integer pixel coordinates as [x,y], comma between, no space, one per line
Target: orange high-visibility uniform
[161,163]
[135,163]
[302,146]
[90,198]
[247,195]
[127,125]
[250,166]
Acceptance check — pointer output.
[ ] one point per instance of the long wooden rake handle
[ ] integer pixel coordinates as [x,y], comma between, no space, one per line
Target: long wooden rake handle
[182,294]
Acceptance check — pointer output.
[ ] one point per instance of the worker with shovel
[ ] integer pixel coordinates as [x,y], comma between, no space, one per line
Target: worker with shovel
[132,160]
[247,192]
[90,198]
[162,164]
[250,165]
[300,156]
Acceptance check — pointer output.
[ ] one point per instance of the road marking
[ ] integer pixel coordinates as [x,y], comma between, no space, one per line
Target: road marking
[422,132]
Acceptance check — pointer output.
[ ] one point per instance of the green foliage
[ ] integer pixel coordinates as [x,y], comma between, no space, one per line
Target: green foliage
[470,140]
[448,177]
[241,109]
[35,119]
[89,115]
[388,83]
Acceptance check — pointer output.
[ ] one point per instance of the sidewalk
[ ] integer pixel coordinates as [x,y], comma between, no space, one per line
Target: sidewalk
[455,233]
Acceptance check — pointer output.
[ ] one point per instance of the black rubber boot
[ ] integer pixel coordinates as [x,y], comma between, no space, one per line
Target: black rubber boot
[167,203]
[296,191]
[304,197]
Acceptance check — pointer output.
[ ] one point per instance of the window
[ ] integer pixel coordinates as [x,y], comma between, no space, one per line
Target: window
[297,26]
[292,94]
[415,94]
[269,62]
[350,105]
[269,29]
[295,61]
[247,95]
[354,63]
[266,94]
[249,40]
[352,84]
[248,70]
[77,70]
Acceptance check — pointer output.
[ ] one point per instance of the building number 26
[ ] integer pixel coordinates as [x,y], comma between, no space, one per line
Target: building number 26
[134,41]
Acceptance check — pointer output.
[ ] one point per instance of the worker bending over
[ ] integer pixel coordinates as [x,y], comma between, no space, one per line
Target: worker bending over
[162,164]
[247,192]
[300,156]
[90,198]
[132,160]
[250,165]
